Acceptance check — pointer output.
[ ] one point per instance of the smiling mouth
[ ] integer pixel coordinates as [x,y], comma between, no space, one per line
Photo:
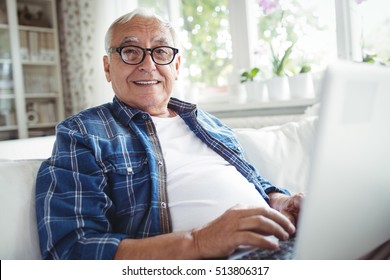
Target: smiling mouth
[146,83]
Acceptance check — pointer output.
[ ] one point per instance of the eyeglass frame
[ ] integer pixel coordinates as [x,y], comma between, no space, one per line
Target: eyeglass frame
[144,50]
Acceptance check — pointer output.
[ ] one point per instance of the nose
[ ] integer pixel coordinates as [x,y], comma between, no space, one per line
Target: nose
[147,64]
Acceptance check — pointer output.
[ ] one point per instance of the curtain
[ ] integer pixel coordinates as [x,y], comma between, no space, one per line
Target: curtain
[76,23]
[82,27]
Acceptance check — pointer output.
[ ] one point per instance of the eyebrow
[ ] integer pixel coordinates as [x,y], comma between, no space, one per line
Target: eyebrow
[127,40]
[133,40]
[161,39]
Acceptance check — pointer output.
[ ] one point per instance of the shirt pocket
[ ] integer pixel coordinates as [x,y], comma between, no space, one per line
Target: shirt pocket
[125,175]
[124,164]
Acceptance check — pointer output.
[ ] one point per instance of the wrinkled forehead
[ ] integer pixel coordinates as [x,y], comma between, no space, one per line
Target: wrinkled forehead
[141,30]
[157,40]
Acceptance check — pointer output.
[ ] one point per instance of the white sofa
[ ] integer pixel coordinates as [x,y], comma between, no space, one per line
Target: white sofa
[280,152]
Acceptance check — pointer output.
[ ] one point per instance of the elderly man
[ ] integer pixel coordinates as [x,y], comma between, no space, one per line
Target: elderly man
[148,176]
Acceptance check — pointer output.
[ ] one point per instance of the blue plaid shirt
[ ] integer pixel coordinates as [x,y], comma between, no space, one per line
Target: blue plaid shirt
[106,179]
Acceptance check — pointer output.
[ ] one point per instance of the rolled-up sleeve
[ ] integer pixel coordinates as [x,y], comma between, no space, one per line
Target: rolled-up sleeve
[72,206]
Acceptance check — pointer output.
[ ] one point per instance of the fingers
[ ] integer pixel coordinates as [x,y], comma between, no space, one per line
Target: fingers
[256,240]
[267,221]
[249,226]
[264,226]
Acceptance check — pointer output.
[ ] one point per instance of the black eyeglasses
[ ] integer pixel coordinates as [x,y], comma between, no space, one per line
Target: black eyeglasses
[134,55]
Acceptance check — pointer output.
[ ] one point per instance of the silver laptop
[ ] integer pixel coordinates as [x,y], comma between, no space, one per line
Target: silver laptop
[346,212]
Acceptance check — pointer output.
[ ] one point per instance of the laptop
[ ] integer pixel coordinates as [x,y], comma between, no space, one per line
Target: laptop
[346,211]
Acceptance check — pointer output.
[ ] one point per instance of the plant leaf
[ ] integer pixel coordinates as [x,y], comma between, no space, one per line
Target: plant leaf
[254,72]
[283,61]
[305,69]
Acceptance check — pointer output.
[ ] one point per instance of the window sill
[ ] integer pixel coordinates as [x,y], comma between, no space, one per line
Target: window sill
[265,108]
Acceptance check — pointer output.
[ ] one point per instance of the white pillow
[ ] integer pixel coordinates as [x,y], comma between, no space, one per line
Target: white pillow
[281,153]
[19,233]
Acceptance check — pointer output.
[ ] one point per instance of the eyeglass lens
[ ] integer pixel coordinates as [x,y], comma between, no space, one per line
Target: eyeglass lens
[135,55]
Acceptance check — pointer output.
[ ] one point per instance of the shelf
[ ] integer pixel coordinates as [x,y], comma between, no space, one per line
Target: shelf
[5,61]
[8,128]
[7,96]
[41,95]
[39,63]
[42,125]
[36,29]
[34,103]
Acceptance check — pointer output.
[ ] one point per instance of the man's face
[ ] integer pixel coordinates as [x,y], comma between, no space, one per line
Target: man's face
[145,86]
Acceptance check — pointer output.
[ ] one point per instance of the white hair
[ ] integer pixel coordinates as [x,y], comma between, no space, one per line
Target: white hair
[139,12]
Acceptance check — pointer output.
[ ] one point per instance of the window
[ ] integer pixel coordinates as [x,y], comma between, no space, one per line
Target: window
[221,38]
[207,43]
[305,27]
[159,7]
[375,30]
[206,49]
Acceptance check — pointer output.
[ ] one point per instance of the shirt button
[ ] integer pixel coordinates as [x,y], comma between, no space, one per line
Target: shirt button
[144,116]
[160,163]
[129,169]
[163,205]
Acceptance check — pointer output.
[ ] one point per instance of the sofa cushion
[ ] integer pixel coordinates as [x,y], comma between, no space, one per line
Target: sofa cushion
[19,234]
[29,148]
[281,153]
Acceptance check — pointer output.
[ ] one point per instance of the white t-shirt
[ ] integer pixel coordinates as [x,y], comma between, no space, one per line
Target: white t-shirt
[201,184]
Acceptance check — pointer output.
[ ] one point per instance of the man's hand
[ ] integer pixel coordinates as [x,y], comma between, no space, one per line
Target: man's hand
[218,239]
[237,226]
[287,205]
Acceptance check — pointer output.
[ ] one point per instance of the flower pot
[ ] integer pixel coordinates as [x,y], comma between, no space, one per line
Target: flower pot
[278,88]
[302,86]
[255,91]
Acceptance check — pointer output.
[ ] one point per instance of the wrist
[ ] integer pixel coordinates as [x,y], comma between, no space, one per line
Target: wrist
[196,247]
[276,200]
[177,245]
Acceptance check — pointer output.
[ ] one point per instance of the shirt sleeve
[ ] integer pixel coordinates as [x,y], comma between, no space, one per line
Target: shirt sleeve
[72,206]
[266,185]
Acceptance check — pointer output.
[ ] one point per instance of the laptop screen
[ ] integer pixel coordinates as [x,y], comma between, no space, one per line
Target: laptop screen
[346,211]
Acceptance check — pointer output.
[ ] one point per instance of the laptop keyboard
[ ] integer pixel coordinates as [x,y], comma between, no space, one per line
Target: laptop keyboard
[284,252]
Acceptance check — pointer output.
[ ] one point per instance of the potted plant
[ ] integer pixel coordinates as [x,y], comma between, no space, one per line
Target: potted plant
[249,75]
[301,84]
[373,58]
[278,86]
[254,87]
[282,25]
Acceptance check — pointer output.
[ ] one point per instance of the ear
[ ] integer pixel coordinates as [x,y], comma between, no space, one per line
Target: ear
[106,63]
[177,65]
